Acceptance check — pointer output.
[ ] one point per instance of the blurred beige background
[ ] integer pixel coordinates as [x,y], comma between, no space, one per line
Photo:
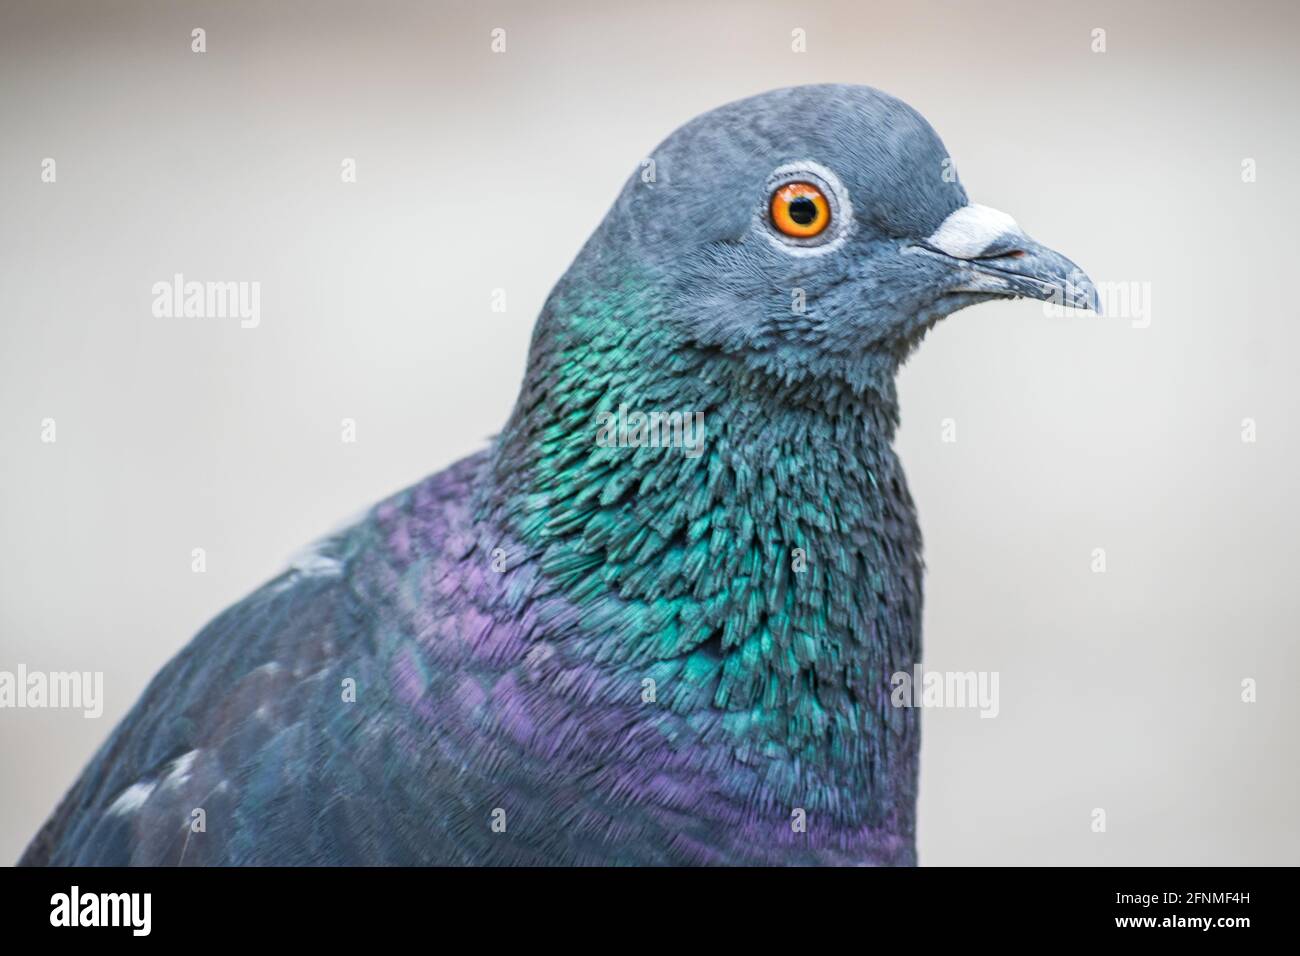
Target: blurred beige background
[478,171]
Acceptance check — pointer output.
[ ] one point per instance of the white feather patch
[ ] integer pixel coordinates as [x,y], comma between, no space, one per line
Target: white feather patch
[312,563]
[132,798]
[179,774]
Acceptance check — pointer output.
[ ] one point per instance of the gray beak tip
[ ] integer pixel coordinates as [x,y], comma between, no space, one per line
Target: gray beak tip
[1085,294]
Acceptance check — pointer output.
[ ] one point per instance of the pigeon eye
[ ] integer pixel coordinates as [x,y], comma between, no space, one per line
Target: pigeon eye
[800,210]
[804,209]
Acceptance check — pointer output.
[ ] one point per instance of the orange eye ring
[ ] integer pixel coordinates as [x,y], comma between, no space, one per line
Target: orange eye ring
[800,210]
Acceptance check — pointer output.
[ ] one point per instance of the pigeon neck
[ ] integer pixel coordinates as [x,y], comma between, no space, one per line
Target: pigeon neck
[695,515]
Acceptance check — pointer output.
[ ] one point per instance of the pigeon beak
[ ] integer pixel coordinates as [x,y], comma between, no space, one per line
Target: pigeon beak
[996,257]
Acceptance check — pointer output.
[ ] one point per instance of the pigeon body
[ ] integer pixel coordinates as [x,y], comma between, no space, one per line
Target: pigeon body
[583,647]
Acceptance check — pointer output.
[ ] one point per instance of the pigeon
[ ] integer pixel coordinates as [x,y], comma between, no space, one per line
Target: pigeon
[656,621]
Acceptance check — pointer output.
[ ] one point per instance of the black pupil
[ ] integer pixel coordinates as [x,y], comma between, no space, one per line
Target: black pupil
[803,210]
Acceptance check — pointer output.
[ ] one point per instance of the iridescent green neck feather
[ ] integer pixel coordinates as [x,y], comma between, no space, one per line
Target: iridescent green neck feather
[780,563]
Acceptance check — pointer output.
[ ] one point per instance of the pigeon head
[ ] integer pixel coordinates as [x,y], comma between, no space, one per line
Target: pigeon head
[819,231]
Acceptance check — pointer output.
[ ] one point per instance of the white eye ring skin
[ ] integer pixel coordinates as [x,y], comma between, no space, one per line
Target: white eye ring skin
[837,197]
